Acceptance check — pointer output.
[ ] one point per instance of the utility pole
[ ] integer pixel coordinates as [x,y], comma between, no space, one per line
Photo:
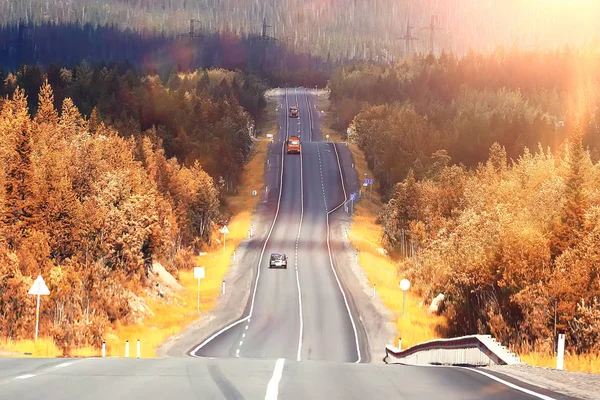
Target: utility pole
[408,37]
[432,28]
[192,33]
[265,39]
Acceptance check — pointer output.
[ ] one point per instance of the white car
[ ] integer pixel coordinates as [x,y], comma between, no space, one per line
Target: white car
[278,261]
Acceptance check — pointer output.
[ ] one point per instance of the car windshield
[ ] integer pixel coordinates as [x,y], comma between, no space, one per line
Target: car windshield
[295,142]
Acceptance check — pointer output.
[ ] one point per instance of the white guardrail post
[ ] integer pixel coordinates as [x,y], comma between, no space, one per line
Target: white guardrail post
[464,350]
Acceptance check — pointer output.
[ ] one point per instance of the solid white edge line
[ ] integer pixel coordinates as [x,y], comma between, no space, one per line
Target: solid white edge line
[331,258]
[195,350]
[65,364]
[301,334]
[273,386]
[511,385]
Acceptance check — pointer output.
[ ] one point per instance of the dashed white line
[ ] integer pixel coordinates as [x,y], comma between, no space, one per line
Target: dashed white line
[66,364]
[241,341]
[301,333]
[26,376]
[273,386]
[237,353]
[195,350]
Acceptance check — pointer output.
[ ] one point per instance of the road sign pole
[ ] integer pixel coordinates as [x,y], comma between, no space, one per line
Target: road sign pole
[403,303]
[37,317]
[371,195]
[198,295]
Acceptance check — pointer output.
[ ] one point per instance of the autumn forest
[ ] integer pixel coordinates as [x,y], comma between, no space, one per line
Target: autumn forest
[490,168]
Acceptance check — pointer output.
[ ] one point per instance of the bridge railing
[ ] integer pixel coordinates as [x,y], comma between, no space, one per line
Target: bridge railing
[465,350]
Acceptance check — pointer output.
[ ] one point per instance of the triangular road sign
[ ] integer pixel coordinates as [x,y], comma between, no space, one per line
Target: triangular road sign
[39,287]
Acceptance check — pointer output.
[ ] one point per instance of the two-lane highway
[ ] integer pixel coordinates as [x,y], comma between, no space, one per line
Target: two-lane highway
[299,313]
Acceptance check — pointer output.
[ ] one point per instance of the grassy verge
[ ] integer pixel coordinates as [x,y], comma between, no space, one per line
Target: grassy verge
[573,362]
[170,317]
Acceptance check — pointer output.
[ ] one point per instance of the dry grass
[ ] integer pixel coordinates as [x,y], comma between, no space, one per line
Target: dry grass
[171,317]
[43,348]
[324,109]
[581,363]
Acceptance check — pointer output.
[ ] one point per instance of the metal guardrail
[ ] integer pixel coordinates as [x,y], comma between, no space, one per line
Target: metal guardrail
[465,350]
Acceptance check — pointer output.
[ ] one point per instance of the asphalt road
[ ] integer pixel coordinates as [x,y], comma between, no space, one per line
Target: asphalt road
[302,313]
[299,313]
[230,378]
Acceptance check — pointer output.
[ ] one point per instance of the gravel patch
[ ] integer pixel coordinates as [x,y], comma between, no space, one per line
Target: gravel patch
[578,384]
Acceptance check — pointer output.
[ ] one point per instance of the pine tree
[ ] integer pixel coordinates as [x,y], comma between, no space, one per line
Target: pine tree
[573,213]
[46,112]
[19,209]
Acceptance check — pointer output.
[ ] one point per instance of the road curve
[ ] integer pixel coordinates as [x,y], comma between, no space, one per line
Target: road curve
[299,313]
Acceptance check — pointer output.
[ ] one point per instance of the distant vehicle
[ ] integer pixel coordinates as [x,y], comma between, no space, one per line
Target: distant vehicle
[278,261]
[293,112]
[293,145]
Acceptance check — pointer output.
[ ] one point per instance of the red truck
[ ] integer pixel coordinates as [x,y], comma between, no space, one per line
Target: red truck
[293,145]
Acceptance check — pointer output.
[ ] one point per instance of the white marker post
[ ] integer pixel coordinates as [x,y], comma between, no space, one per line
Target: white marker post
[138,349]
[224,231]
[404,285]
[199,274]
[251,226]
[560,356]
[127,349]
[38,288]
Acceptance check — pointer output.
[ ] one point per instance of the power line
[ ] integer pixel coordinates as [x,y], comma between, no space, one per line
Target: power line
[408,37]
[432,28]
[191,33]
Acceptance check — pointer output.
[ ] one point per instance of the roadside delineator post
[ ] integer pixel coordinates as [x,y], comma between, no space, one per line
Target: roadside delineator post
[374,290]
[127,349]
[138,348]
[103,349]
[234,255]
[223,286]
[560,356]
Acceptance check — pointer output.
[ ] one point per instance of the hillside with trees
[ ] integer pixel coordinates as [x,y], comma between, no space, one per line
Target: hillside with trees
[104,173]
[341,29]
[489,165]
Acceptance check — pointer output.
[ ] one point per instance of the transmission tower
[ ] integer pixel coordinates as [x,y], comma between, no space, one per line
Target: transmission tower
[192,33]
[408,37]
[432,28]
[263,32]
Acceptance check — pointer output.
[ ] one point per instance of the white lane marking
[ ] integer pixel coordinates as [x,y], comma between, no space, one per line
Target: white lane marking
[243,335]
[273,386]
[331,258]
[66,364]
[310,119]
[26,376]
[241,341]
[262,253]
[301,333]
[512,385]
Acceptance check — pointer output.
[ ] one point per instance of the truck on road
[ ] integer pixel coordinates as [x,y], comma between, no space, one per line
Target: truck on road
[293,145]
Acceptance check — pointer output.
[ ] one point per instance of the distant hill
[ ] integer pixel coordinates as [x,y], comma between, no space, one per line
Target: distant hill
[340,28]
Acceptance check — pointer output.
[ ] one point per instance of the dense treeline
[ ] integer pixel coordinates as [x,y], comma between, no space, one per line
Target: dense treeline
[402,113]
[157,53]
[206,116]
[492,201]
[343,28]
[91,211]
